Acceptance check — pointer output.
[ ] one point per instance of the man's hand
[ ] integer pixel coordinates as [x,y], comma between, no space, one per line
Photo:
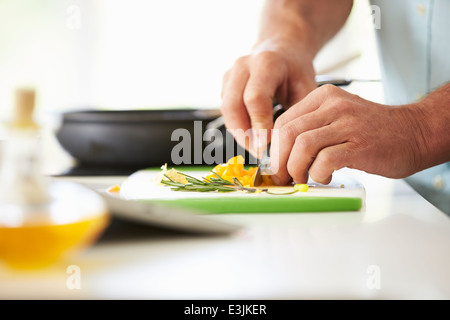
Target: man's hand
[254,82]
[280,67]
[331,129]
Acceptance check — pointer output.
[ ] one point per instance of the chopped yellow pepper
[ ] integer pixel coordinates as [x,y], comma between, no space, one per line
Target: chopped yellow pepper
[115,188]
[234,168]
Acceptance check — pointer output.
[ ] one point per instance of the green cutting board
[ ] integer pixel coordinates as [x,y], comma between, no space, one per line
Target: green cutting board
[342,194]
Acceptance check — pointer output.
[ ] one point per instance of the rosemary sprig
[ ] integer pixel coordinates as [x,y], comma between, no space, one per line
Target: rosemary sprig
[217,184]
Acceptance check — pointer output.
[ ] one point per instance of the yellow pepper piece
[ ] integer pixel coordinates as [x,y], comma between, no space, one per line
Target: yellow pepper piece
[219,169]
[234,168]
[115,188]
[301,187]
[237,161]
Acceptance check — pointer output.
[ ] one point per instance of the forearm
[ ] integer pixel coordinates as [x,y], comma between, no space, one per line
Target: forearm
[432,117]
[306,23]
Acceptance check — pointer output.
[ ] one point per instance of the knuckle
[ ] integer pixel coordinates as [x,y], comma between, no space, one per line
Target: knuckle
[267,60]
[326,158]
[328,90]
[240,62]
[266,57]
[294,170]
[280,122]
[337,107]
[303,143]
[287,132]
[340,103]
[253,98]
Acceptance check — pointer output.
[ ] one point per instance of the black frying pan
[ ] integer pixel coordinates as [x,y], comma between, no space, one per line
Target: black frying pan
[124,141]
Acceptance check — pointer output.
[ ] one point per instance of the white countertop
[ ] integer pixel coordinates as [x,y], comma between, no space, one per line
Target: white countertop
[397,247]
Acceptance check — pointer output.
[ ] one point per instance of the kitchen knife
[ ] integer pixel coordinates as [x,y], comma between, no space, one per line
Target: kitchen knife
[263,168]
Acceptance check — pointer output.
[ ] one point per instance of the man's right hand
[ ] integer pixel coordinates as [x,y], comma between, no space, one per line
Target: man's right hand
[272,72]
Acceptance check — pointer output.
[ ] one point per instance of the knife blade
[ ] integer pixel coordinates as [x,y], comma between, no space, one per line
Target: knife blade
[263,168]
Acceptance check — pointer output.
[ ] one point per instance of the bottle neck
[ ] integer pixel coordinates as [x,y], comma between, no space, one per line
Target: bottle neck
[21,177]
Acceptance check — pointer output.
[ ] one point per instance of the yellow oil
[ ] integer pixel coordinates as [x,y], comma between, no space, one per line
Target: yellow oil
[41,245]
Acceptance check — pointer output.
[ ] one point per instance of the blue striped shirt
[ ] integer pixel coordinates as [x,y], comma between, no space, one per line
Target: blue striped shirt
[414,48]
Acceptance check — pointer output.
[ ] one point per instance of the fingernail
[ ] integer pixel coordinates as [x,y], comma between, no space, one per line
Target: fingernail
[259,143]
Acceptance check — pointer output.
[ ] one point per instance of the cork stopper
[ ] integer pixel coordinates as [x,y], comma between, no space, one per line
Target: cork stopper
[24,109]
